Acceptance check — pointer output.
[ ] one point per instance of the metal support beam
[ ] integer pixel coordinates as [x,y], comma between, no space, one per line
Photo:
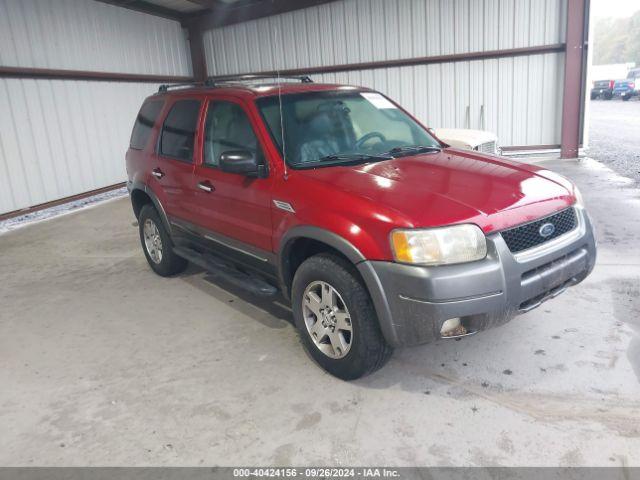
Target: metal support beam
[205,3]
[575,65]
[196,47]
[145,7]
[429,60]
[57,74]
[220,14]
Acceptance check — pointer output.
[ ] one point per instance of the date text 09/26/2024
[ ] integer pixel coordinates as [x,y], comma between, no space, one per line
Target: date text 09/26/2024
[317,472]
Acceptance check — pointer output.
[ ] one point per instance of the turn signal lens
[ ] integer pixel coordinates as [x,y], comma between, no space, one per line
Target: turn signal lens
[439,246]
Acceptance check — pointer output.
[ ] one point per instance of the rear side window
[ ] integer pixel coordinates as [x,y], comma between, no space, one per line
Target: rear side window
[179,130]
[144,123]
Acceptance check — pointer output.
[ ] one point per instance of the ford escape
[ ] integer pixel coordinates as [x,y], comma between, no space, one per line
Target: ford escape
[378,233]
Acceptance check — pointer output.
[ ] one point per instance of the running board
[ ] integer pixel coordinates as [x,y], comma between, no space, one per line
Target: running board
[220,269]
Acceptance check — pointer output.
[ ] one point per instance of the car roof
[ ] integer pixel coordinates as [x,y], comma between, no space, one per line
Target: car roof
[259,90]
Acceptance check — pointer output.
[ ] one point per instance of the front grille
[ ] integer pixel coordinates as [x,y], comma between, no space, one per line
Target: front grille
[528,235]
[487,147]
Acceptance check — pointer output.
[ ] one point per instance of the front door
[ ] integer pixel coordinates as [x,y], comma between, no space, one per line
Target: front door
[234,206]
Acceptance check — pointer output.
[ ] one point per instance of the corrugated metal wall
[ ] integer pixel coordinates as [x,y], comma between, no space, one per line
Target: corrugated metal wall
[518,98]
[63,137]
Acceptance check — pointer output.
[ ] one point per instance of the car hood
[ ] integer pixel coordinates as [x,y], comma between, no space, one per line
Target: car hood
[452,186]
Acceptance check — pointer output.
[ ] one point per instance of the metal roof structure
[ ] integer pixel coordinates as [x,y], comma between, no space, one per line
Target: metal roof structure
[213,13]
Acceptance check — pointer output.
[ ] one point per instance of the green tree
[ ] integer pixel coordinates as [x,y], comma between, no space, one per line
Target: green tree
[617,40]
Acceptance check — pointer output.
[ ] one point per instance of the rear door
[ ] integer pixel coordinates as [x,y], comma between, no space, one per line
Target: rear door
[234,209]
[173,162]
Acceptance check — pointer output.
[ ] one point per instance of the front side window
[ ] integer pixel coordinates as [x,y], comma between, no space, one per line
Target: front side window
[323,128]
[144,123]
[227,128]
[179,130]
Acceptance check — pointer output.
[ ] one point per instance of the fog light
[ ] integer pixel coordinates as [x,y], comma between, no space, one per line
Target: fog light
[452,327]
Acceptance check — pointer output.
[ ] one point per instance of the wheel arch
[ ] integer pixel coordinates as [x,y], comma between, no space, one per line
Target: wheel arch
[307,236]
[142,195]
[302,242]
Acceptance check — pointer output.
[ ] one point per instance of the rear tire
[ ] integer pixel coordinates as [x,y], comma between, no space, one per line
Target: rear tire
[157,245]
[626,98]
[594,96]
[347,310]
[608,96]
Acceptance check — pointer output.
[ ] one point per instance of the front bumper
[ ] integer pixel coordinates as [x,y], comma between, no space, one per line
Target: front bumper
[413,302]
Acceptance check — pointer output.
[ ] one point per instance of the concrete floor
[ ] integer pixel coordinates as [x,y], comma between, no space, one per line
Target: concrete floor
[104,363]
[614,135]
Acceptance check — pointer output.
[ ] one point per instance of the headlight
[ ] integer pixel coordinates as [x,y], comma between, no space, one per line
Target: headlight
[578,195]
[436,246]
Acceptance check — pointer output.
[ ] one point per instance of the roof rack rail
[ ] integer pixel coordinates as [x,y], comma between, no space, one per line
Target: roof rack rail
[166,86]
[214,81]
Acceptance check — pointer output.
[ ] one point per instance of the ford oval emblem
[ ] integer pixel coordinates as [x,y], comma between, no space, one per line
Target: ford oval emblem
[547,230]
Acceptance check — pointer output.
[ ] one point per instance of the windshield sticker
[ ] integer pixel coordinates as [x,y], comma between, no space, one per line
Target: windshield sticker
[378,100]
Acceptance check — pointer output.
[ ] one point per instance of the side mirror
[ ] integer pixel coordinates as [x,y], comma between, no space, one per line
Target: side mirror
[242,162]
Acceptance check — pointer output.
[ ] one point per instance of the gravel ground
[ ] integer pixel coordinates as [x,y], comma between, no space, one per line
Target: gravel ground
[614,135]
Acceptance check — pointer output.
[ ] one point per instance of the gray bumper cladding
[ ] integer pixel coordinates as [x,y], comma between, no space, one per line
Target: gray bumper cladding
[413,302]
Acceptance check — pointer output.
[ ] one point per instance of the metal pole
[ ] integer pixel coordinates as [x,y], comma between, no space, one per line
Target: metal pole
[196,47]
[575,65]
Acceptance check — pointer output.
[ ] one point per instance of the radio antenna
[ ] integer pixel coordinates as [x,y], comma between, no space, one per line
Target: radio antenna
[284,150]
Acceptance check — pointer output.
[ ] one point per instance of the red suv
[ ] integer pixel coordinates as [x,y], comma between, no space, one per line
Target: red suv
[378,233]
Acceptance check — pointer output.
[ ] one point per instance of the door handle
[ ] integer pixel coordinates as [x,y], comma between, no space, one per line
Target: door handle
[206,186]
[156,172]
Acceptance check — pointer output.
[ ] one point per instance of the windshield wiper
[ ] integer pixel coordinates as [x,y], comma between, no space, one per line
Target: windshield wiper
[411,149]
[344,159]
[355,157]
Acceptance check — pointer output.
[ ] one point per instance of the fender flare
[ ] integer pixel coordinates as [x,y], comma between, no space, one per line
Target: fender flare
[334,240]
[364,267]
[316,233]
[154,199]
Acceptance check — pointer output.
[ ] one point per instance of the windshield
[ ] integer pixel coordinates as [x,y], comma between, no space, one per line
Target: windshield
[329,128]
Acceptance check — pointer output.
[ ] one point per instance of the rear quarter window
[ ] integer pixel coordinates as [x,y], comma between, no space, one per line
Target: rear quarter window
[144,123]
[179,130]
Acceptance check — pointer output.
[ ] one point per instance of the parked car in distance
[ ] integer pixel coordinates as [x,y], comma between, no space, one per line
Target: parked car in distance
[478,140]
[378,234]
[627,88]
[602,89]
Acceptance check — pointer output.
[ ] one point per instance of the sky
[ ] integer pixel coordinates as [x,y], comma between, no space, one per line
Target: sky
[614,8]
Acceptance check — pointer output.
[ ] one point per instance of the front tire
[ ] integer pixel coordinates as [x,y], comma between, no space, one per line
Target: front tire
[336,318]
[157,245]
[626,98]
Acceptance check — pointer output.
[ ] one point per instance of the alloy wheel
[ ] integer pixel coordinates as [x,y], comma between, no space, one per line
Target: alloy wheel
[152,240]
[327,319]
